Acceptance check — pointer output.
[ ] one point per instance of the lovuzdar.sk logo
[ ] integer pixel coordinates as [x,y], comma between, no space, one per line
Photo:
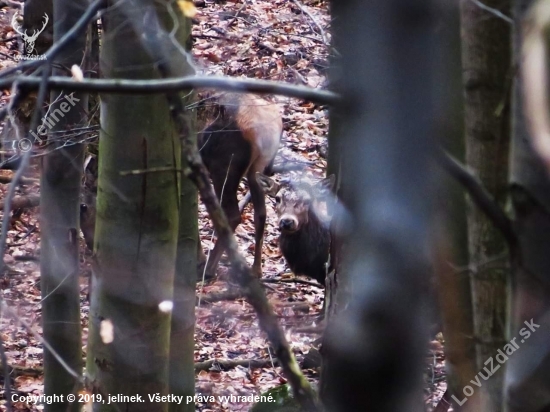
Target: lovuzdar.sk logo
[29,39]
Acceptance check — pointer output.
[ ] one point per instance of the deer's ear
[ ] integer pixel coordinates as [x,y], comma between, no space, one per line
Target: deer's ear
[268,185]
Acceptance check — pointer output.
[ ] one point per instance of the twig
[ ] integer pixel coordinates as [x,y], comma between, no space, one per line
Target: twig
[150,170]
[44,343]
[226,364]
[127,86]
[222,296]
[321,30]
[444,403]
[293,280]
[479,195]
[493,11]
[230,23]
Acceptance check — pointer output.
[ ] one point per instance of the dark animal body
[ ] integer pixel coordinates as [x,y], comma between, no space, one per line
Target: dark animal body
[242,140]
[306,250]
[304,237]
[87,222]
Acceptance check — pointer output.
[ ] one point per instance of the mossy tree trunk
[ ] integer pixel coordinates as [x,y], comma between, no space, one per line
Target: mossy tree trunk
[59,206]
[452,285]
[486,65]
[136,228]
[182,338]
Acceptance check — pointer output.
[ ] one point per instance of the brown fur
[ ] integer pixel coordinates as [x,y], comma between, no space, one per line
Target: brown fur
[242,140]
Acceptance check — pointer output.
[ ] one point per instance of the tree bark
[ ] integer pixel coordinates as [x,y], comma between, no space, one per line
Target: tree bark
[486,65]
[136,228]
[527,379]
[59,214]
[182,335]
[452,285]
[384,76]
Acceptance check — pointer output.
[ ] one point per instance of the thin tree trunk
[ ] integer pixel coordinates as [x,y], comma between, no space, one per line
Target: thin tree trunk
[527,376]
[136,228]
[182,336]
[452,285]
[59,211]
[486,65]
[373,349]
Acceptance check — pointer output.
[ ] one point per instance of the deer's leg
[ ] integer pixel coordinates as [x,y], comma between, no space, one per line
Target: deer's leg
[226,189]
[258,201]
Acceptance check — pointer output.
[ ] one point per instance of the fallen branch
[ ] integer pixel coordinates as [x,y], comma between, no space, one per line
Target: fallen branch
[218,297]
[23,180]
[23,371]
[226,364]
[321,30]
[293,280]
[22,202]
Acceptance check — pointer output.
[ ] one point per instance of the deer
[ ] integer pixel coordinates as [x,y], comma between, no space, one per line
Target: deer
[242,141]
[29,39]
[304,238]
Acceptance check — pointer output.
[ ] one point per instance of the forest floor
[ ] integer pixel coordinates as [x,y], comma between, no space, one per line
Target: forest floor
[272,39]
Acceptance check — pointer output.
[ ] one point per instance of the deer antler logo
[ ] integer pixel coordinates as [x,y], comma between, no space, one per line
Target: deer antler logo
[28,39]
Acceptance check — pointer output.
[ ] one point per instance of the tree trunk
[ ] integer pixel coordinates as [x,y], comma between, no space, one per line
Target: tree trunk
[59,214]
[486,65]
[452,286]
[373,349]
[136,228]
[527,377]
[182,337]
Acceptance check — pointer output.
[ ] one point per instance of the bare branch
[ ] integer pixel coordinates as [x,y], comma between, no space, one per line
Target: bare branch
[493,11]
[175,84]
[321,30]
[479,195]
